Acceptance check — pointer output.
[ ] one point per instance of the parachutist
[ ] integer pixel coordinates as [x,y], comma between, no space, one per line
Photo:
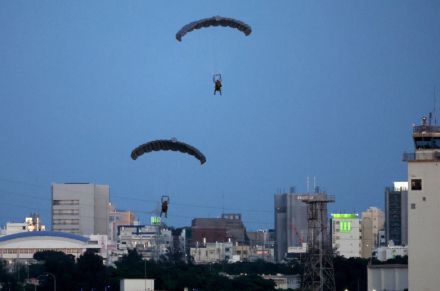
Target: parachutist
[217,79]
[164,210]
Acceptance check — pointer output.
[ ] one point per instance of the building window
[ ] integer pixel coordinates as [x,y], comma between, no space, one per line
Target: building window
[424,198]
[416,184]
[413,206]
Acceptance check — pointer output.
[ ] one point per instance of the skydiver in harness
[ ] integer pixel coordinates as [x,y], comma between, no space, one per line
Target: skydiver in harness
[164,209]
[217,79]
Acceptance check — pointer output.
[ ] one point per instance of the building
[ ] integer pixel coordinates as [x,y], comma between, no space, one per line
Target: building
[388,277]
[372,222]
[396,213]
[31,223]
[136,285]
[80,208]
[283,282]
[290,222]
[150,241]
[117,218]
[346,234]
[22,246]
[212,252]
[262,245]
[423,207]
[228,228]
[390,252]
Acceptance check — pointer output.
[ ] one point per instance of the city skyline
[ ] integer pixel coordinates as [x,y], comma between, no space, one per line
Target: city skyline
[317,90]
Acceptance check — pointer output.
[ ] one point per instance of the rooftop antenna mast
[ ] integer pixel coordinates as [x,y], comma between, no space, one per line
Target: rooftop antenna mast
[435,105]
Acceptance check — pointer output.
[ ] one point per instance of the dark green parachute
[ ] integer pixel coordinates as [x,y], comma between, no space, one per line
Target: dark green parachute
[168,145]
[214,21]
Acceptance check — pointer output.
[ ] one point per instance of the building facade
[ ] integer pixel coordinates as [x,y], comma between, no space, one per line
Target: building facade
[228,228]
[80,208]
[373,220]
[346,234]
[396,213]
[423,208]
[117,218]
[290,222]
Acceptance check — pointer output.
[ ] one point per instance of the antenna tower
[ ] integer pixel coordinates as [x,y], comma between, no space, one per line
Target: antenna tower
[318,269]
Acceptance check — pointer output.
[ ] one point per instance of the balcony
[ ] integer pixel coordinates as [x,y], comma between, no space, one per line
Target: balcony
[421,156]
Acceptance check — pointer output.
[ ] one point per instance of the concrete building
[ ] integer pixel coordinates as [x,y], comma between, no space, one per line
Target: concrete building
[212,252]
[80,208]
[283,282]
[346,234]
[423,208]
[136,285]
[290,222]
[372,222]
[31,223]
[117,218]
[22,246]
[150,241]
[396,213]
[388,277]
[262,245]
[390,252]
[228,228]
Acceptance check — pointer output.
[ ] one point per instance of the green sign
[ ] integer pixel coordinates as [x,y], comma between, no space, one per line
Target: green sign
[344,215]
[345,226]
[155,220]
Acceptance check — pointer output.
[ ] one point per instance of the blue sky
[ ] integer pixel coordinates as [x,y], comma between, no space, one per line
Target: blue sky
[320,89]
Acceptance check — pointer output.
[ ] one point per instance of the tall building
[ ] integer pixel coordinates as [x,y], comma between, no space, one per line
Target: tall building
[423,210]
[290,222]
[80,208]
[373,220]
[396,213]
[346,234]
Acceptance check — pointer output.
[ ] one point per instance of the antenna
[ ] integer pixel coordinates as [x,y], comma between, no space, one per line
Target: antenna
[308,184]
[435,105]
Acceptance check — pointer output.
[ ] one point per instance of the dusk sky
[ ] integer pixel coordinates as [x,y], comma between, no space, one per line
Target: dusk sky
[325,89]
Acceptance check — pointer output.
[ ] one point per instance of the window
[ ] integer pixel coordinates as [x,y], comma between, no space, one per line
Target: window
[424,198]
[413,206]
[416,184]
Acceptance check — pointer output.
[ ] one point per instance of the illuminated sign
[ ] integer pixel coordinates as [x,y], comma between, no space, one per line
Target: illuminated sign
[344,216]
[345,226]
[155,220]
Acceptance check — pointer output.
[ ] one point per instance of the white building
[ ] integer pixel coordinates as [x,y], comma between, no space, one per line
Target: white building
[80,208]
[388,277]
[390,252]
[423,208]
[136,285]
[212,253]
[346,234]
[22,246]
[150,241]
[32,223]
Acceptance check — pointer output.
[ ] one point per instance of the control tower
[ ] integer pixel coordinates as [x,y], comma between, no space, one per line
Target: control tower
[424,207]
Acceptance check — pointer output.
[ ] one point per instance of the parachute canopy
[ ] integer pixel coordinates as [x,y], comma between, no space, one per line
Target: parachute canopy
[167,145]
[214,21]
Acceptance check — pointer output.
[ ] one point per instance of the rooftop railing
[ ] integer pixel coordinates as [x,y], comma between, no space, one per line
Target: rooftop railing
[426,128]
[421,156]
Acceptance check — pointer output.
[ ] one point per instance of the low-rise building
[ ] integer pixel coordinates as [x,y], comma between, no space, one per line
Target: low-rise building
[212,252]
[390,252]
[22,246]
[150,241]
[387,277]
